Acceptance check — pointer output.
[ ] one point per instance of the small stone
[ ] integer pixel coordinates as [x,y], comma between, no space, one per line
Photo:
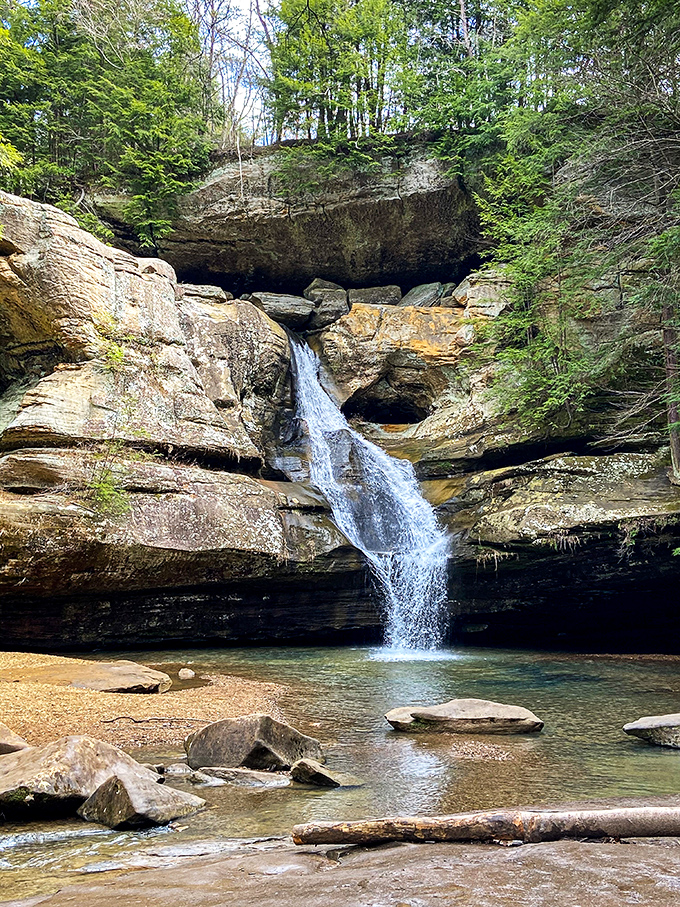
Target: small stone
[177,769]
[206,780]
[308,771]
[186,674]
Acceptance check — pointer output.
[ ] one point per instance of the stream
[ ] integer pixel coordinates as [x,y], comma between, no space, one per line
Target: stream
[340,695]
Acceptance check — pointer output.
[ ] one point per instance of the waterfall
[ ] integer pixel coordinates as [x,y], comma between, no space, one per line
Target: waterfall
[376,503]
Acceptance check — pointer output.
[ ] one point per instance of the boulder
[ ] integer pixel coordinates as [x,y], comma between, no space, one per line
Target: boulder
[245,777]
[135,801]
[309,771]
[293,311]
[330,303]
[483,294]
[11,742]
[465,716]
[252,741]
[58,777]
[424,296]
[105,677]
[389,295]
[661,730]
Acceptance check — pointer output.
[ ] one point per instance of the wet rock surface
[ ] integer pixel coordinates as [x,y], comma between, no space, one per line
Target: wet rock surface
[465,716]
[253,741]
[662,730]
[561,874]
[309,771]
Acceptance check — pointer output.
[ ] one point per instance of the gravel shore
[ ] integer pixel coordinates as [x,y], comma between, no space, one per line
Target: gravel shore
[41,712]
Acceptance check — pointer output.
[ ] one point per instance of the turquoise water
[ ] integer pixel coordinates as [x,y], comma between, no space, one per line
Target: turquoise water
[340,696]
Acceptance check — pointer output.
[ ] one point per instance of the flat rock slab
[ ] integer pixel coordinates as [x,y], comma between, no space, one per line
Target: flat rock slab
[58,777]
[308,771]
[661,730]
[10,742]
[563,874]
[103,676]
[465,716]
[251,741]
[137,801]
[246,777]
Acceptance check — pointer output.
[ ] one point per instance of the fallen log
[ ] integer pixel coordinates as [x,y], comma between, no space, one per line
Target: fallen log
[528,826]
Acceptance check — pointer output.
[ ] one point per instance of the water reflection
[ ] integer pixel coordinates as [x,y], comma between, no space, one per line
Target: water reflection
[341,695]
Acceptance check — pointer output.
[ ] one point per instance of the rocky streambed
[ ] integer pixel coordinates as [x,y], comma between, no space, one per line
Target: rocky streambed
[339,696]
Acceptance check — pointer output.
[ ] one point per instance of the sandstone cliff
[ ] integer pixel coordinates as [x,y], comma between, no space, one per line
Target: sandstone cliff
[144,425]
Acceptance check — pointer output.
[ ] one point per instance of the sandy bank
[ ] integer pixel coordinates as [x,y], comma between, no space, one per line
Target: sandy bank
[41,712]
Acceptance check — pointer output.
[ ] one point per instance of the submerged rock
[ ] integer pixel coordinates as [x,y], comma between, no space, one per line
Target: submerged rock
[252,741]
[309,771]
[465,716]
[58,777]
[245,777]
[186,674]
[661,730]
[11,742]
[134,801]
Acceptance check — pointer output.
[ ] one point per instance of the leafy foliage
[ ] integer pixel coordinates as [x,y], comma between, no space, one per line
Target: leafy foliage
[101,94]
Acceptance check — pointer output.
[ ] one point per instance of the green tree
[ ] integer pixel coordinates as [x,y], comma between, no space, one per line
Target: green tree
[338,67]
[96,93]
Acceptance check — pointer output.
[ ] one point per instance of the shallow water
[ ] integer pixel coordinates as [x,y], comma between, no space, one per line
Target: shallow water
[340,695]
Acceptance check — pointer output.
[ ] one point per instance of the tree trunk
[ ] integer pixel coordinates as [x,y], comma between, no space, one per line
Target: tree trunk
[464,28]
[529,826]
[670,346]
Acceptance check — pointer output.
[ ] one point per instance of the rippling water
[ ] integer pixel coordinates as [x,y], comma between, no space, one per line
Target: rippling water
[340,696]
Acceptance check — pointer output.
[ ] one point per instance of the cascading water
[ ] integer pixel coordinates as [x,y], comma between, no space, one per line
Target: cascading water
[376,502]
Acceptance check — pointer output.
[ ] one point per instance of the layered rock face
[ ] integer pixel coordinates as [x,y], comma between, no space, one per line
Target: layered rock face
[405,221]
[134,414]
[145,425]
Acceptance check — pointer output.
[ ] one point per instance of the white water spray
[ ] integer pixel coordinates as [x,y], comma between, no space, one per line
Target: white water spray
[376,502]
